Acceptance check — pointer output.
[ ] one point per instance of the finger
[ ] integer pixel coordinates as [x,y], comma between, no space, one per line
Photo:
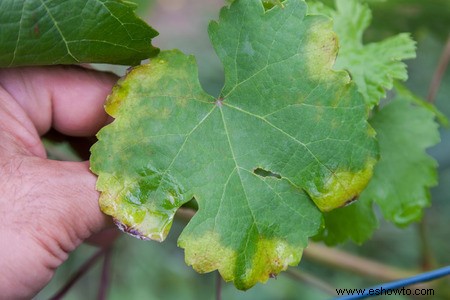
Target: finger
[17,133]
[58,201]
[68,98]
[48,208]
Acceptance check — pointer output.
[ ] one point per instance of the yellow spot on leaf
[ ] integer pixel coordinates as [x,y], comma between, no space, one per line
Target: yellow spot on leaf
[343,187]
[207,253]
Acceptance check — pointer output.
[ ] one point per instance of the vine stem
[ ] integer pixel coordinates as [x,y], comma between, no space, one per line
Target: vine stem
[311,280]
[440,72]
[218,286]
[427,260]
[185,214]
[78,274]
[349,262]
[105,276]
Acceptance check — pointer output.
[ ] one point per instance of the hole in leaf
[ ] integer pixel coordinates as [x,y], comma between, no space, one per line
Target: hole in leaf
[269,4]
[193,204]
[187,211]
[265,173]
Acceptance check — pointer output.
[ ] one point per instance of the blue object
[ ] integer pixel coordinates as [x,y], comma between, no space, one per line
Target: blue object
[399,284]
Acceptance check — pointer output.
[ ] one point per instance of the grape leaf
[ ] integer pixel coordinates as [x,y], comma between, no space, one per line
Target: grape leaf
[373,66]
[286,130]
[356,221]
[402,178]
[395,186]
[46,32]
[404,174]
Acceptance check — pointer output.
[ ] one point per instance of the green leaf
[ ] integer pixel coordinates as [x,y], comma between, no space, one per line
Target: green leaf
[47,32]
[403,92]
[395,186]
[286,130]
[404,174]
[373,66]
[402,178]
[356,221]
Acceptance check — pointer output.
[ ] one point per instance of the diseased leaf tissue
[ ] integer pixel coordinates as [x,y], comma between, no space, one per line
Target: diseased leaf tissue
[287,139]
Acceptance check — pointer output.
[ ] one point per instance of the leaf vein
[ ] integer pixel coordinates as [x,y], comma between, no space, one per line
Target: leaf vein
[237,167]
[18,35]
[59,30]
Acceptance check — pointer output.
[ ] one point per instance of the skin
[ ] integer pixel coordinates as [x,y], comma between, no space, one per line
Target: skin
[47,207]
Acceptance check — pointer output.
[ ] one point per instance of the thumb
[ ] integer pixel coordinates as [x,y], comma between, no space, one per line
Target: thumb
[54,209]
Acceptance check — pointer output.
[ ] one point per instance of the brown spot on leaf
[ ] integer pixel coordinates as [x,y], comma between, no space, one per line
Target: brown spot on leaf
[353,199]
[36,30]
[130,230]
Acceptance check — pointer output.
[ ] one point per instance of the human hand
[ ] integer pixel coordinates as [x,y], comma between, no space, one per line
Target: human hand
[47,207]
